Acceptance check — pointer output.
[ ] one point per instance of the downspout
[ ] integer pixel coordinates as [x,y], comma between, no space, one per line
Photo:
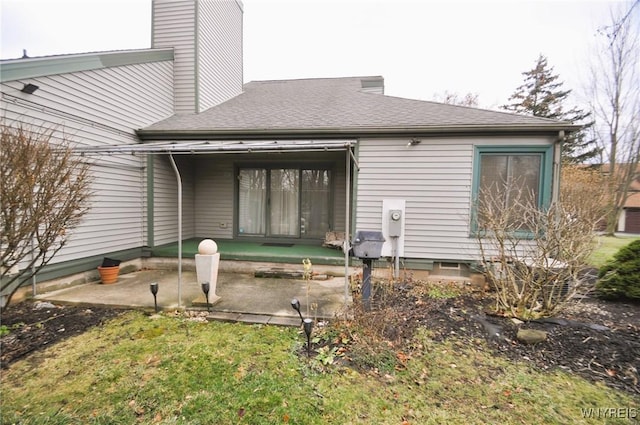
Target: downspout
[179,181]
[557,162]
[346,247]
[555,184]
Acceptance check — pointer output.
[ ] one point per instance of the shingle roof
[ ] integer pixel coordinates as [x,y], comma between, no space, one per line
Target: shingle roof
[340,105]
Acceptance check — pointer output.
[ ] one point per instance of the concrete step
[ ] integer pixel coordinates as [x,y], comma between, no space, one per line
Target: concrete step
[283,273]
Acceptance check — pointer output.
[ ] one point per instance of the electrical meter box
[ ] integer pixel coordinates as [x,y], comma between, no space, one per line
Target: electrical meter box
[395,223]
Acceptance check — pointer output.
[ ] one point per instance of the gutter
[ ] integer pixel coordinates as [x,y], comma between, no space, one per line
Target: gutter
[285,133]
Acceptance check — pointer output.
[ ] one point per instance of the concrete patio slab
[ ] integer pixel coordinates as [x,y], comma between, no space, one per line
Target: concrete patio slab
[243,297]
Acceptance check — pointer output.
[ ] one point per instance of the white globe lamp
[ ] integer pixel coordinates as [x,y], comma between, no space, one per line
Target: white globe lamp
[207,247]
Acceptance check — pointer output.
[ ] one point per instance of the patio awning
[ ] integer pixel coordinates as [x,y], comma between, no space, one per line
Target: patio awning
[217,146]
[235,146]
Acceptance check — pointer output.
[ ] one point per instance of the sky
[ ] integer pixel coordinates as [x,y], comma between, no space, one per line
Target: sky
[422,48]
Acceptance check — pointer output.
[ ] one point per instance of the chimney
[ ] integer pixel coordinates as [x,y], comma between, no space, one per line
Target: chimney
[206,36]
[373,85]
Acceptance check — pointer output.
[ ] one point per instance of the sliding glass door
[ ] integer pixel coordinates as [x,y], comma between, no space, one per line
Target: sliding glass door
[316,198]
[284,202]
[252,201]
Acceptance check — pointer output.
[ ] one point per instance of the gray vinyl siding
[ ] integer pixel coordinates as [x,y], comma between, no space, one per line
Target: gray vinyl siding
[339,196]
[174,25]
[207,40]
[148,201]
[165,208]
[100,107]
[187,173]
[214,197]
[435,180]
[219,52]
[107,101]
[165,212]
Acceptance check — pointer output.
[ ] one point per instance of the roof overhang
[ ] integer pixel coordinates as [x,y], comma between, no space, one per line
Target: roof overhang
[220,146]
[356,132]
[16,69]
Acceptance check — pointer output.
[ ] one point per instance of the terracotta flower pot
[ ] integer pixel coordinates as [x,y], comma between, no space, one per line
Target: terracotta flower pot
[109,274]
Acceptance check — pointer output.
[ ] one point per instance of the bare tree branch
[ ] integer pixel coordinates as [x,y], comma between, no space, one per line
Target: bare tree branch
[44,193]
[612,31]
[615,101]
[533,257]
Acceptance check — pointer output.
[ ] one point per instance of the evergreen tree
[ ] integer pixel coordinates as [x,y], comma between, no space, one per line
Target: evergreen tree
[541,95]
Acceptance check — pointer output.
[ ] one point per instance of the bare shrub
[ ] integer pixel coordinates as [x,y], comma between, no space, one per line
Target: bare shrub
[533,257]
[584,193]
[44,193]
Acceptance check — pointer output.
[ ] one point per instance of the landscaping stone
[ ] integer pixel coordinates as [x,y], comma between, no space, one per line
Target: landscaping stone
[531,336]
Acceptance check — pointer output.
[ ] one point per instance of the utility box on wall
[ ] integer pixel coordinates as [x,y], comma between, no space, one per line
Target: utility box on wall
[395,223]
[394,217]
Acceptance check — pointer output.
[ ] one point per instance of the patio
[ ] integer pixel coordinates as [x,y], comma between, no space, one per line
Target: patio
[243,296]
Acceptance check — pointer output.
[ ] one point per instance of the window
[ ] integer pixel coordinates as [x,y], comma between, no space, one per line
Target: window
[284,202]
[511,179]
[444,265]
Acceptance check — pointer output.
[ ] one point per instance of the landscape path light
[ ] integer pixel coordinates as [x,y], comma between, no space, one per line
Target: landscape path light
[308,325]
[296,306]
[205,289]
[154,290]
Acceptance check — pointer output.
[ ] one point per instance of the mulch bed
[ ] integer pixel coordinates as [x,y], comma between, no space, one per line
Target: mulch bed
[611,356]
[35,326]
[596,339]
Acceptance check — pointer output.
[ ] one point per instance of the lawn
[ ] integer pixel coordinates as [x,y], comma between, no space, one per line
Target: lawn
[607,246]
[168,369]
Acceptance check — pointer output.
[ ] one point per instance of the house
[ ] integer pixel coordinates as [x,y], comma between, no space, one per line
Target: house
[629,220]
[267,161]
